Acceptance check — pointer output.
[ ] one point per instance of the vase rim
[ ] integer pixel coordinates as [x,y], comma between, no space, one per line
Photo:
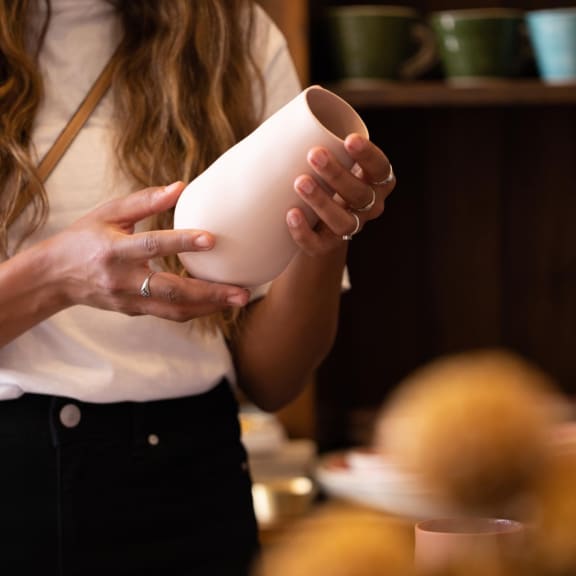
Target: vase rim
[360,125]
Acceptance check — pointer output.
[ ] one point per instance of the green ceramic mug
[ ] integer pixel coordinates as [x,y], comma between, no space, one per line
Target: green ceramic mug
[378,42]
[480,45]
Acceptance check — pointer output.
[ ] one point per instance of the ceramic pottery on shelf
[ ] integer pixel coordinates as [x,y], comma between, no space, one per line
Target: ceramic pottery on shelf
[553,36]
[371,42]
[244,196]
[480,45]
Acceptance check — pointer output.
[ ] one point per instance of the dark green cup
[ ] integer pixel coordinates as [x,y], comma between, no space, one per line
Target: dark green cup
[478,45]
[378,42]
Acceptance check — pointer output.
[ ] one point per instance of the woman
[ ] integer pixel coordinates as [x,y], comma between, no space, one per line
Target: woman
[118,426]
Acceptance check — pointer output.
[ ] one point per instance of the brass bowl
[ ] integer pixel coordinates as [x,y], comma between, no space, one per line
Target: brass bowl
[279,499]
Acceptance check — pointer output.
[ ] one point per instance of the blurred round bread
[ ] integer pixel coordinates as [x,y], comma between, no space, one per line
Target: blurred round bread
[554,523]
[475,427]
[342,541]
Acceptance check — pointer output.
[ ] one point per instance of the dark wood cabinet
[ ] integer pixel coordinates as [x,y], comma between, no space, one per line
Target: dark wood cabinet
[477,247]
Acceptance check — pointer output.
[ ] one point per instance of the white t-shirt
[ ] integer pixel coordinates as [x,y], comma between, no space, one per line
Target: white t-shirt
[83,352]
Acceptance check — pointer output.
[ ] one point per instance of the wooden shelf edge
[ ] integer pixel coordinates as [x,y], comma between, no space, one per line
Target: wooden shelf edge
[427,94]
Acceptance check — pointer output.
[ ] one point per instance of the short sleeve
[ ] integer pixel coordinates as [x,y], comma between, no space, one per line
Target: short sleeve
[273,59]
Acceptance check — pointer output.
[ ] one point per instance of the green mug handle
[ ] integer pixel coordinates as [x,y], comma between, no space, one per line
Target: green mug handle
[426,55]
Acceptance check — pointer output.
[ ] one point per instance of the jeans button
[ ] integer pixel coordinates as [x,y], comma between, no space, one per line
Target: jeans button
[153,440]
[70,415]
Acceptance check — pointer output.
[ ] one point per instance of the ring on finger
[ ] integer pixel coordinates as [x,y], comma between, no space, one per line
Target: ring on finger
[370,204]
[386,180]
[145,287]
[349,235]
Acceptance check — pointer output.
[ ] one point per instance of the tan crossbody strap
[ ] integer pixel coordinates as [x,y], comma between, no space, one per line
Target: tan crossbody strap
[65,138]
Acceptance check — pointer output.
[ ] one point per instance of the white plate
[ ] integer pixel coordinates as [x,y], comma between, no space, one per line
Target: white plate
[361,475]
[352,476]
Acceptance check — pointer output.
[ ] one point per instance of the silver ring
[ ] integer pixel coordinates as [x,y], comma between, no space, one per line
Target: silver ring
[145,288]
[370,204]
[386,180]
[348,236]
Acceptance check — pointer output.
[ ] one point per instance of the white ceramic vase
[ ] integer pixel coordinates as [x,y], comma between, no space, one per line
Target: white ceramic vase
[244,196]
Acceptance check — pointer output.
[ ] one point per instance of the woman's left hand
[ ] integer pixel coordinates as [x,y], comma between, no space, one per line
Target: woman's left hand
[305,299]
[353,197]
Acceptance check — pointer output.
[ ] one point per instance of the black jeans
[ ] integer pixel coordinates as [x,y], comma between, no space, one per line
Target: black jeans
[157,488]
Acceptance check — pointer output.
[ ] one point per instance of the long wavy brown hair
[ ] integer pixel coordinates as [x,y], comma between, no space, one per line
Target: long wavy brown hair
[183,92]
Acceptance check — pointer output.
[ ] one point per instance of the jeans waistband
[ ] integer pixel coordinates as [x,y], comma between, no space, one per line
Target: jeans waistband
[34,417]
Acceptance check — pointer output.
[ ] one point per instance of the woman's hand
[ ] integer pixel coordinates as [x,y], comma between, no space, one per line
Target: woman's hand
[273,365]
[353,198]
[99,261]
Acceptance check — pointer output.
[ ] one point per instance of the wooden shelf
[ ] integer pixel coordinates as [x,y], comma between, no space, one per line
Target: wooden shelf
[426,94]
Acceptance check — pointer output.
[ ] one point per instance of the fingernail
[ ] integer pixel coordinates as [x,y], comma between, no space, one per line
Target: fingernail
[294,219]
[306,186]
[203,241]
[319,158]
[238,299]
[172,187]
[356,143]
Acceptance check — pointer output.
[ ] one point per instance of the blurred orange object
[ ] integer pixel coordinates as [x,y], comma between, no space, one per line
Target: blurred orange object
[341,541]
[474,427]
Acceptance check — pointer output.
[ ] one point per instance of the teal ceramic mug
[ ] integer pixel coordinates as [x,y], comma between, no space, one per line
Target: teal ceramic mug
[553,36]
[480,45]
[384,42]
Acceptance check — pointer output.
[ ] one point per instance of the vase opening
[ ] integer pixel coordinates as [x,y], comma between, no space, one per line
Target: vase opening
[334,113]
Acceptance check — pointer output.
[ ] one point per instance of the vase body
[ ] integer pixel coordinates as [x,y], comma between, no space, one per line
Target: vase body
[244,196]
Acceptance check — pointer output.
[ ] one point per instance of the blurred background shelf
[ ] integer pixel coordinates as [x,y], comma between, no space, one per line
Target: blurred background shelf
[478,244]
[429,94]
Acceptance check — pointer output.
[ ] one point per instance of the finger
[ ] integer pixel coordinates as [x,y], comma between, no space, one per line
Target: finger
[341,180]
[141,204]
[375,165]
[146,245]
[335,216]
[188,296]
[313,241]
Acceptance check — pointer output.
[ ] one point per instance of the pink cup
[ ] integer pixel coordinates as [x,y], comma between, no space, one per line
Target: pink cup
[442,543]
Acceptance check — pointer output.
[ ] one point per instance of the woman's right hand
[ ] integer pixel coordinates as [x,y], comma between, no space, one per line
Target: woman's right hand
[100,261]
